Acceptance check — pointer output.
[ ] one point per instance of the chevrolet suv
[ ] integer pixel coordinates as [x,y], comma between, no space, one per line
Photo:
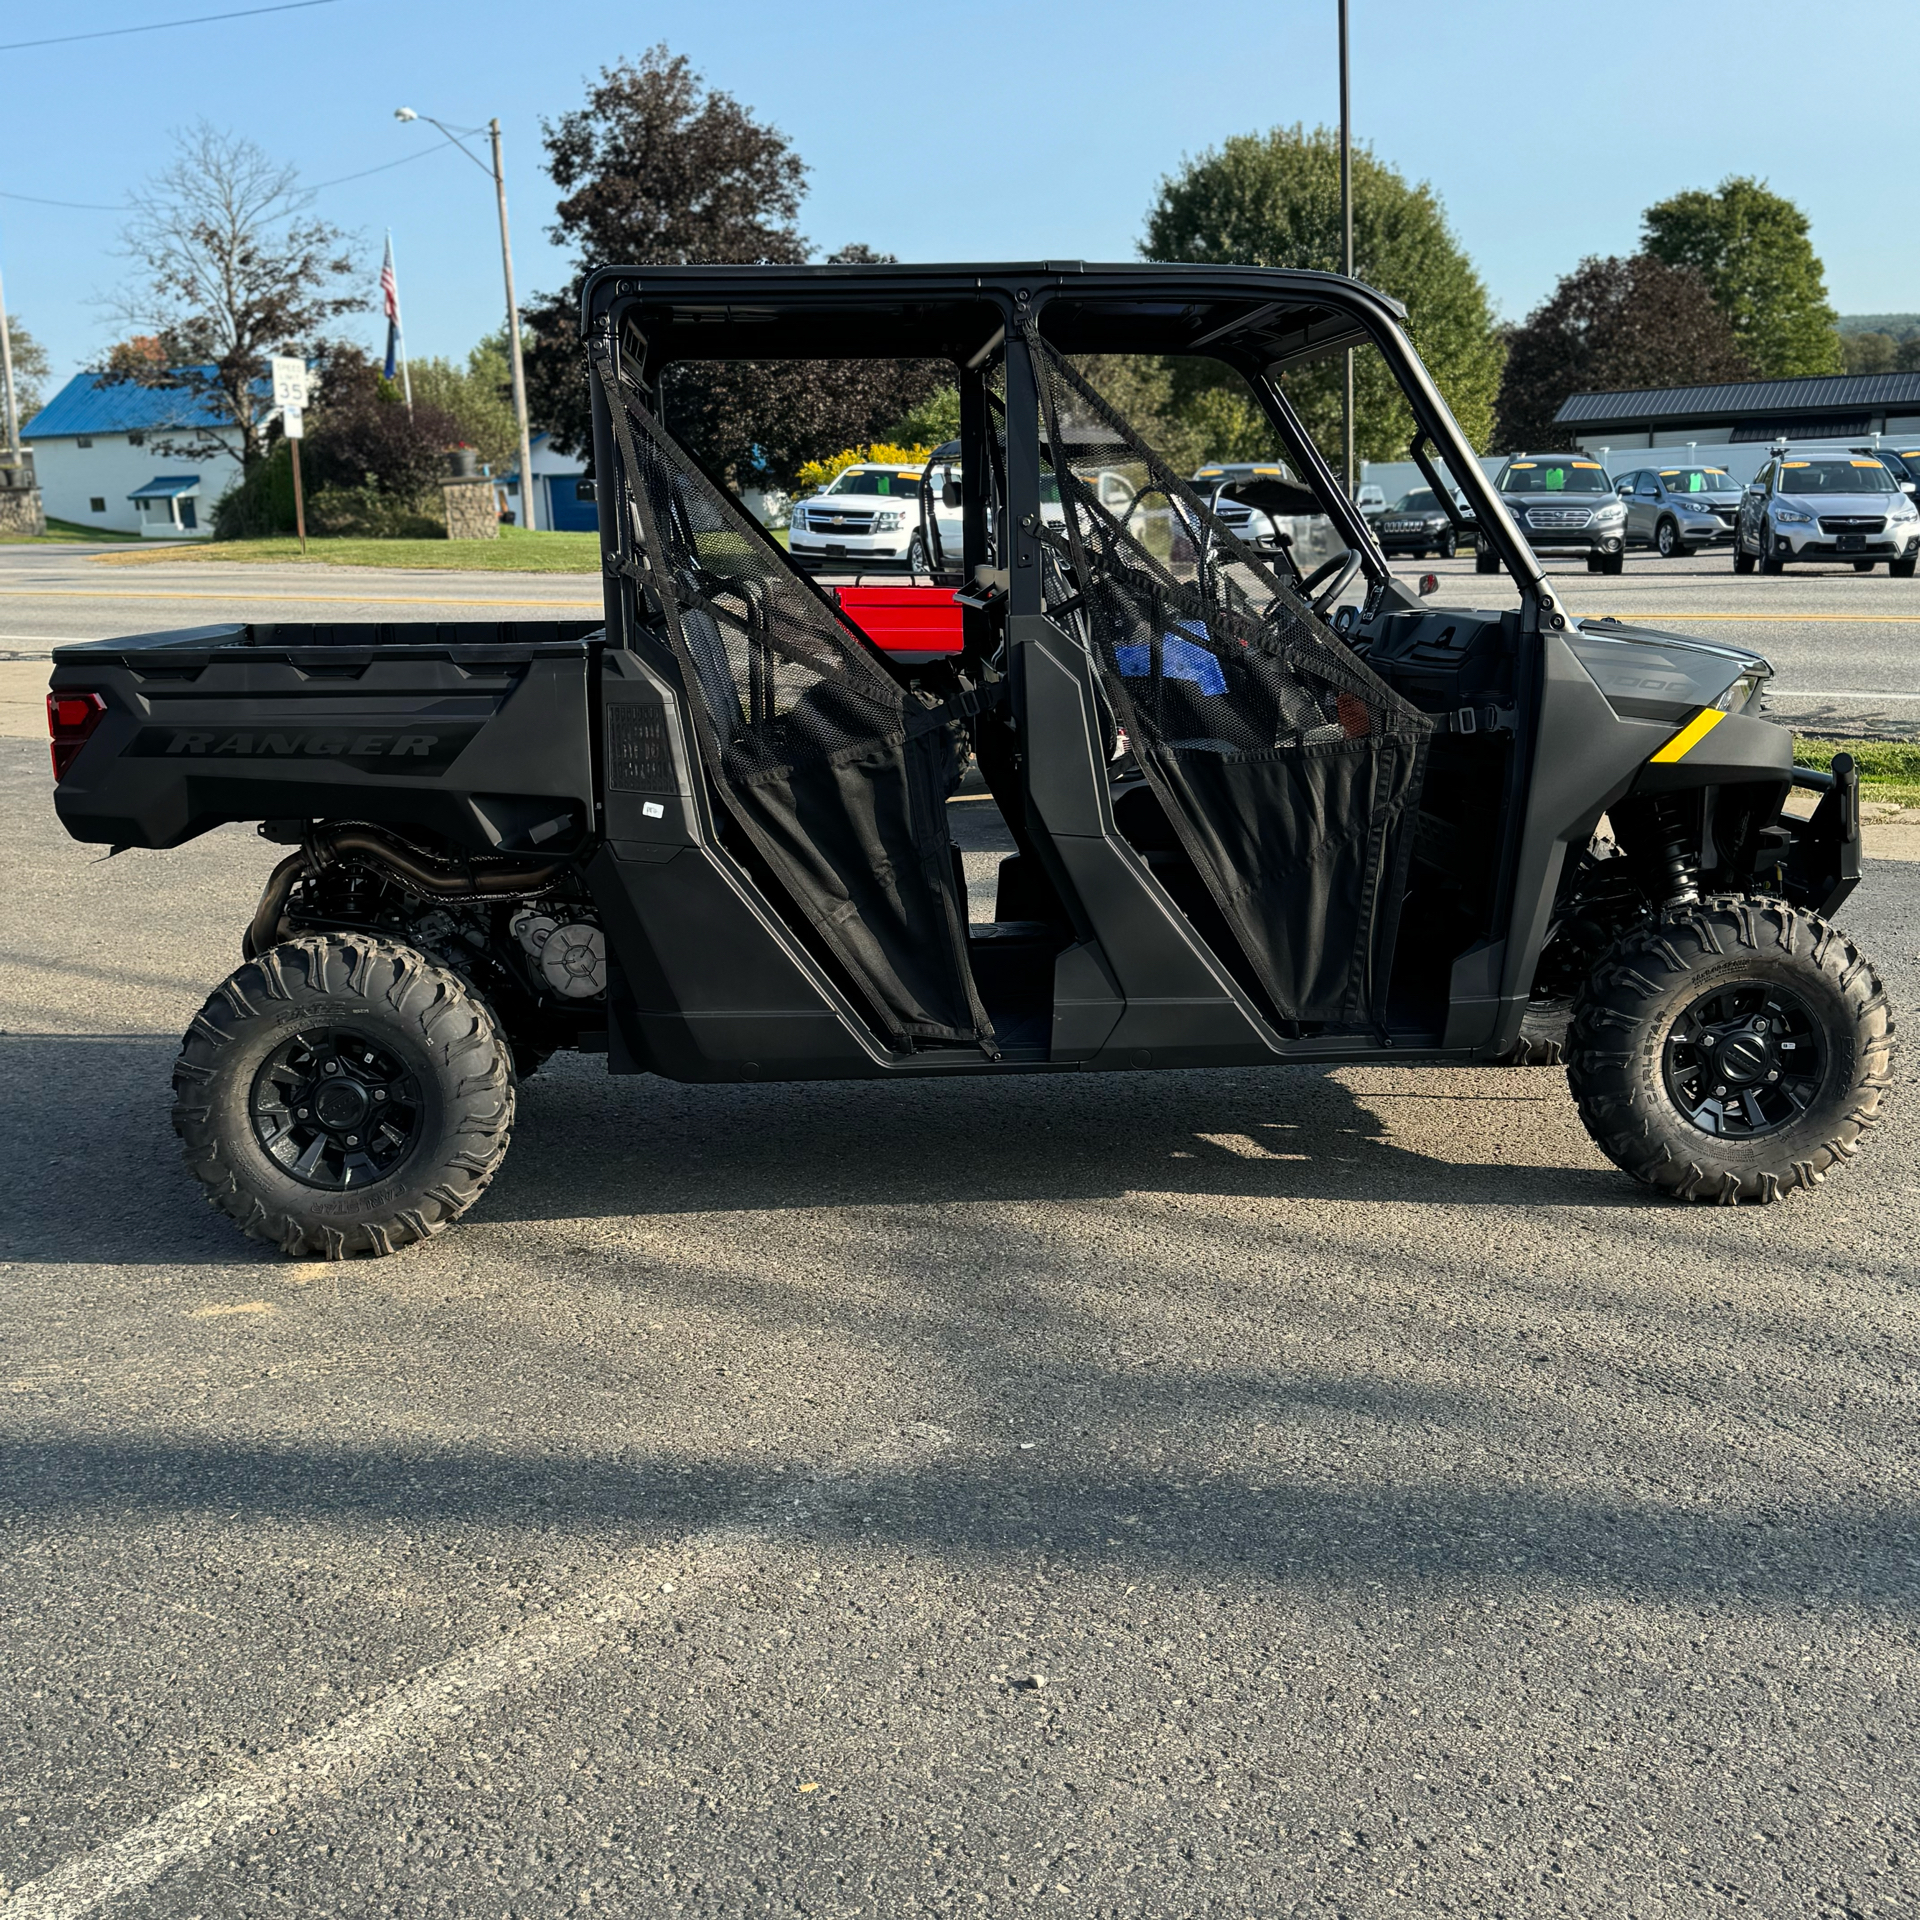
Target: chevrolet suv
[1563,503]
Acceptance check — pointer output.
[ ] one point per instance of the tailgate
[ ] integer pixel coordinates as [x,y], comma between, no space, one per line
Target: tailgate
[478,732]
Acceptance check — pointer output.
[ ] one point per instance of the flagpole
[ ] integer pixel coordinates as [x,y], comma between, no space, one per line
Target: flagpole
[399,326]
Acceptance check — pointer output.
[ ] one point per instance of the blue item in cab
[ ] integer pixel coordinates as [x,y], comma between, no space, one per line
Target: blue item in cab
[1179,660]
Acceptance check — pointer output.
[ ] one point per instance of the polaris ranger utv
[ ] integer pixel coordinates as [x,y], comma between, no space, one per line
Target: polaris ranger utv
[1260,814]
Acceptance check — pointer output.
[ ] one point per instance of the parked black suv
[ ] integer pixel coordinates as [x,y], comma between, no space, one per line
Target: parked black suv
[1563,503]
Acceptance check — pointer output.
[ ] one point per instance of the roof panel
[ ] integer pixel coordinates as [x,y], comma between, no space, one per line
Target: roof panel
[91,403]
[1735,399]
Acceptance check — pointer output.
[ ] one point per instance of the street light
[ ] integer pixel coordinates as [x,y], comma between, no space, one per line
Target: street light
[513,305]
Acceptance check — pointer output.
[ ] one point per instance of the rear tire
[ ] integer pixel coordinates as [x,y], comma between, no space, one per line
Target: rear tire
[1543,1035]
[1779,985]
[418,1077]
[1486,563]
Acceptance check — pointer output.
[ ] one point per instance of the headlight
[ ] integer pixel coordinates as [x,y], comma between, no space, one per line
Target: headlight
[1744,693]
[1902,508]
[1791,517]
[798,518]
[1613,510]
[888,522]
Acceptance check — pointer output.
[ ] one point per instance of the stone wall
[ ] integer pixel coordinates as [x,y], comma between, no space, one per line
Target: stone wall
[471,512]
[21,511]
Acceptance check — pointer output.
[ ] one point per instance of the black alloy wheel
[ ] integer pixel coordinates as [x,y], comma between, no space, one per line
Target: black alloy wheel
[1731,1051]
[332,1106]
[1745,1059]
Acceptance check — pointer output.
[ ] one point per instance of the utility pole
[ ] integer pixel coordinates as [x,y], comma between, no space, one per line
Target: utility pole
[1348,477]
[514,357]
[513,335]
[6,383]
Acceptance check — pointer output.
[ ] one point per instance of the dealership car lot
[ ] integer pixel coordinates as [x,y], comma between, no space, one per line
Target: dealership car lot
[1300,1491]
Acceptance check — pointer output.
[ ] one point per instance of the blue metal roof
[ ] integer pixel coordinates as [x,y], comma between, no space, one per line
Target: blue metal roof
[91,403]
[1742,399]
[163,486]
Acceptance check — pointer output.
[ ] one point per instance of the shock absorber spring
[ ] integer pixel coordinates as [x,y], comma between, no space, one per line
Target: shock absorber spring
[1668,851]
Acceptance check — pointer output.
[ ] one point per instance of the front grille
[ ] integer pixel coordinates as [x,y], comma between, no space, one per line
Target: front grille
[818,522]
[1852,523]
[1559,519]
[1404,526]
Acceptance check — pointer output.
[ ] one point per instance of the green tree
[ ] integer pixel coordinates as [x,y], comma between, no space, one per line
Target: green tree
[1273,200]
[1870,352]
[478,396]
[31,369]
[1752,249]
[1611,324]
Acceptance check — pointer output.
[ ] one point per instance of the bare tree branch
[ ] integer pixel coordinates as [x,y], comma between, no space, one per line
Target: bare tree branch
[231,269]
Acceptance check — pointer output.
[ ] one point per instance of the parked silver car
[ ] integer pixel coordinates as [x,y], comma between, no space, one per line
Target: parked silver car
[1820,505]
[1679,510]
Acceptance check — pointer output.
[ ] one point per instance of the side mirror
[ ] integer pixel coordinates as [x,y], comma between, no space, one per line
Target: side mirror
[1623,490]
[950,493]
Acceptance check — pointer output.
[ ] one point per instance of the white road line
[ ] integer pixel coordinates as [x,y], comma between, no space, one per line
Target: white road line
[1833,693]
[332,1760]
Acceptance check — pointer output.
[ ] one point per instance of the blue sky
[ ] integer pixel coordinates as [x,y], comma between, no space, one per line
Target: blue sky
[971,131]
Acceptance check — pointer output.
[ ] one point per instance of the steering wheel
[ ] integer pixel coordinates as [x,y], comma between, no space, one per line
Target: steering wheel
[1342,567]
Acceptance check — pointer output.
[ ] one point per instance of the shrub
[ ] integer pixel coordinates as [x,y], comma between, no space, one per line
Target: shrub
[816,474]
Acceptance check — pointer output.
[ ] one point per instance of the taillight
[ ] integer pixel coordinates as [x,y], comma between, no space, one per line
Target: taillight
[71,719]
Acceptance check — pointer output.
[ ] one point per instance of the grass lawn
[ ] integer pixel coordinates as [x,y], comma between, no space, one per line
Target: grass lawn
[516,551]
[64,533]
[1889,769]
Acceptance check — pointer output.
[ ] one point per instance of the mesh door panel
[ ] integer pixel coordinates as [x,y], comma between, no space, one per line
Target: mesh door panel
[1288,771]
[837,776]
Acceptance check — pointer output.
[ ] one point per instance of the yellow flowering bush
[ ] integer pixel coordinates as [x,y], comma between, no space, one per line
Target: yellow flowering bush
[817,474]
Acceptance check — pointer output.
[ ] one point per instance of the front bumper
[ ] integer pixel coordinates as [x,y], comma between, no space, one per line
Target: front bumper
[1897,542]
[850,549]
[1703,531]
[1607,539]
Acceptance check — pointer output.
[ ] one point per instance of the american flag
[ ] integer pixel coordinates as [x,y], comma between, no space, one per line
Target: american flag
[390,302]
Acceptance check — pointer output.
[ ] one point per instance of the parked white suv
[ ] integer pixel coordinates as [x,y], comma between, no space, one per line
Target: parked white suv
[867,517]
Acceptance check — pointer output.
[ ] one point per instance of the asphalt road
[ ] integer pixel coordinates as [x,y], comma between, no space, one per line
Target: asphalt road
[1300,1493]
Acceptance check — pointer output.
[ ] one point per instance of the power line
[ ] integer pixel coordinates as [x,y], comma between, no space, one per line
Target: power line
[122,206]
[157,26]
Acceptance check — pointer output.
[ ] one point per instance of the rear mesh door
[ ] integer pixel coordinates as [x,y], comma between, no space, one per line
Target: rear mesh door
[834,773]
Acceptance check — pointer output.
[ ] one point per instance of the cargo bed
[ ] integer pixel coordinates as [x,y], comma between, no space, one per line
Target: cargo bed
[476,730]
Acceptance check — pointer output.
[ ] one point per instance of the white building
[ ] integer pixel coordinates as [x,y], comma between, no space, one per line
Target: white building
[97,452]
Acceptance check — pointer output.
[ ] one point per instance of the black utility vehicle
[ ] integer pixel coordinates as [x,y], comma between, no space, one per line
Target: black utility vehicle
[708,837]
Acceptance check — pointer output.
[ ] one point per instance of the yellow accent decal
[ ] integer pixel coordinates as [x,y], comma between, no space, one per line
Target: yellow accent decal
[1593,464]
[1863,463]
[1689,737]
[1793,463]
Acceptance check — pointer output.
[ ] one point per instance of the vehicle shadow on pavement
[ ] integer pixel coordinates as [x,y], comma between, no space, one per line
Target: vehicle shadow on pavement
[996,1503]
[1453,1137]
[97,1176]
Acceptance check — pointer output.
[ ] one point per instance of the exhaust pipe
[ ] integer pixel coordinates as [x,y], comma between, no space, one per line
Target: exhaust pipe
[427,876]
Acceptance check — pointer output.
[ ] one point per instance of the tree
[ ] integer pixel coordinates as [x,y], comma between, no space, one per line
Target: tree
[1752,249]
[1870,352]
[231,270]
[1273,200]
[1611,324]
[660,169]
[478,397]
[31,368]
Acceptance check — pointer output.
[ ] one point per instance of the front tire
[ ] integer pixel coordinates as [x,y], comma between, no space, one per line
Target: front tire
[1902,569]
[1486,563]
[341,1094]
[1667,541]
[1742,559]
[917,555]
[1731,1051]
